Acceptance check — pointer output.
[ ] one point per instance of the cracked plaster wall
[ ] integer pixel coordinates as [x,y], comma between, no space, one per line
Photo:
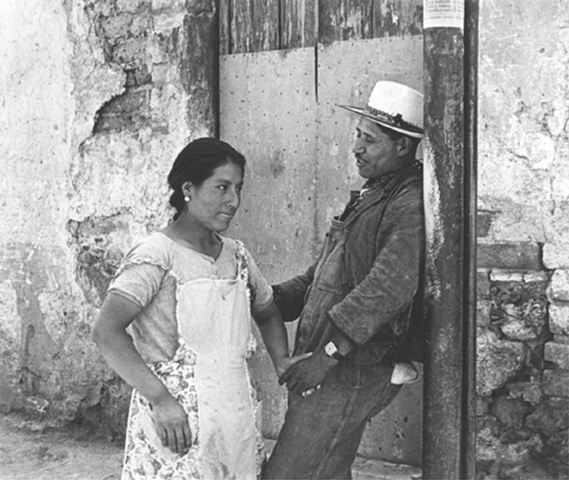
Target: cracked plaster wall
[523,131]
[96,99]
[523,240]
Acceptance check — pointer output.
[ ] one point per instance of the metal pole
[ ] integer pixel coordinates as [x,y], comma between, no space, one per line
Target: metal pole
[470,159]
[451,195]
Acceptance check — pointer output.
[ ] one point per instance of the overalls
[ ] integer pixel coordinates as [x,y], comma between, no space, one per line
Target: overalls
[322,432]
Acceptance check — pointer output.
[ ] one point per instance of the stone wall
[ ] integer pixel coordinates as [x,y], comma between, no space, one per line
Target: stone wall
[523,277]
[97,99]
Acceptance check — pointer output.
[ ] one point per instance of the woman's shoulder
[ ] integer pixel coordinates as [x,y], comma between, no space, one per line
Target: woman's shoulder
[235,247]
[154,249]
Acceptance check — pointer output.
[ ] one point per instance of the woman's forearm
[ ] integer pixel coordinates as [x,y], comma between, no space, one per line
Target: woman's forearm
[274,334]
[118,350]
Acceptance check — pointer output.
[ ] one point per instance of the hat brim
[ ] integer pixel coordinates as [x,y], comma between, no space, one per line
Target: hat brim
[382,121]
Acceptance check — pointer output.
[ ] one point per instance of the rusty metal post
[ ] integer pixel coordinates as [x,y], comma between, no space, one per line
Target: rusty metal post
[470,159]
[450,159]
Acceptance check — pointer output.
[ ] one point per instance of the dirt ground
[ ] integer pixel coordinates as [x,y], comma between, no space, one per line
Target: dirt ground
[29,452]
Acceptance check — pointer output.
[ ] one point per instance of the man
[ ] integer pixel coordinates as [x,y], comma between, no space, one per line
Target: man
[356,302]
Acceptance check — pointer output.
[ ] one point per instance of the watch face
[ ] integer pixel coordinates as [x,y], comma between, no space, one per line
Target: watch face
[330,348]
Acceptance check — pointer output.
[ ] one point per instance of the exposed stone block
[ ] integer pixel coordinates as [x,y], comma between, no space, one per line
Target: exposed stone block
[525,322]
[519,310]
[558,353]
[484,222]
[129,111]
[559,286]
[556,383]
[550,417]
[529,391]
[506,276]
[559,318]
[482,283]
[511,411]
[483,308]
[482,406]
[497,362]
[532,277]
[101,244]
[555,255]
[514,256]
[131,6]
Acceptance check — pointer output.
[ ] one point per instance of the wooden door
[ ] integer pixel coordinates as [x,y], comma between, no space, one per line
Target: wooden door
[285,67]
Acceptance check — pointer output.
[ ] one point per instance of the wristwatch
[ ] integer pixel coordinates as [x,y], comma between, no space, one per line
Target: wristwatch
[331,350]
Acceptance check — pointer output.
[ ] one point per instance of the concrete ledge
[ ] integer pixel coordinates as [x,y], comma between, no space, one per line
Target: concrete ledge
[373,469]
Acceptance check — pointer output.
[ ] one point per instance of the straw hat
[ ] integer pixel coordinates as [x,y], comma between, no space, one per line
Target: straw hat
[394,106]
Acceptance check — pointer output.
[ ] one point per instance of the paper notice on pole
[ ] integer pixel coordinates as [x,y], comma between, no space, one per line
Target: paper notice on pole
[443,13]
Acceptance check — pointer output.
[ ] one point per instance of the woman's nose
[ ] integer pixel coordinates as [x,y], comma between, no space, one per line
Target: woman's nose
[234,199]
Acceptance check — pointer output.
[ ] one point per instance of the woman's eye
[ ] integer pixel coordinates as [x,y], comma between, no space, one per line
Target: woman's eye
[222,187]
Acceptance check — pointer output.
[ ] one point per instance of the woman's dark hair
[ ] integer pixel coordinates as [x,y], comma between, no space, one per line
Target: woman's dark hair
[196,163]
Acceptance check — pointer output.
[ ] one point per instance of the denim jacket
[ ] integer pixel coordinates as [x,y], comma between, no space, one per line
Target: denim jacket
[367,277]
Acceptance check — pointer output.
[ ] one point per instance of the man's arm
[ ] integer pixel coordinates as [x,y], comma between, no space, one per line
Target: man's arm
[289,295]
[384,293]
[391,284]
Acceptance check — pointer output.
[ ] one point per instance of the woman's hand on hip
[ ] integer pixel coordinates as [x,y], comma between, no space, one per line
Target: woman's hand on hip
[172,424]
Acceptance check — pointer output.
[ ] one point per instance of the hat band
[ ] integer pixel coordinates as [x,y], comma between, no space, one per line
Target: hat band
[395,120]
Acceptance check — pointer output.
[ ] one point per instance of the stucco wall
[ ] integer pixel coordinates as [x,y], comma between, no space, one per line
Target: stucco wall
[96,100]
[523,281]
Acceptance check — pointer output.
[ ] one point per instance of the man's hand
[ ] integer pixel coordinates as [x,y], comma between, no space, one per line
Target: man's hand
[172,424]
[308,374]
[285,363]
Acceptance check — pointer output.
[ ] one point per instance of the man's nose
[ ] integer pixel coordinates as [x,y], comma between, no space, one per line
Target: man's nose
[358,146]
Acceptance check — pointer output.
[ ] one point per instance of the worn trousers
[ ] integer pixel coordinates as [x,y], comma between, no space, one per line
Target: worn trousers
[322,432]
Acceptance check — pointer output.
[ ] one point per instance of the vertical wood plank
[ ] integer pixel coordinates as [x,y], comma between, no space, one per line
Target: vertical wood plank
[224,27]
[344,20]
[298,23]
[397,17]
[254,25]
[199,65]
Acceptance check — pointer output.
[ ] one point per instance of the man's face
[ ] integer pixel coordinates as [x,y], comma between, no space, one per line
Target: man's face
[376,154]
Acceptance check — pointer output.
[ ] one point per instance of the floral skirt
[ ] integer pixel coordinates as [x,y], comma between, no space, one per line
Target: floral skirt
[145,457]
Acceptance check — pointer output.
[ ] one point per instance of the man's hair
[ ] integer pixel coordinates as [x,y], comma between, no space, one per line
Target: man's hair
[394,136]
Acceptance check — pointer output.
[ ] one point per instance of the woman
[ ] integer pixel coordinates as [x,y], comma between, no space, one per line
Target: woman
[186,293]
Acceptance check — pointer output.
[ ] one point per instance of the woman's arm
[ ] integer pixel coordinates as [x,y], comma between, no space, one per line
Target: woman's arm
[274,335]
[109,333]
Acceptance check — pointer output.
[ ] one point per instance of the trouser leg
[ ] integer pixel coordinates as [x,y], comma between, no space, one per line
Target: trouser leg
[321,433]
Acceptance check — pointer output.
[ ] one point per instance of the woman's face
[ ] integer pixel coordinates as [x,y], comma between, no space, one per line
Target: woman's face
[213,204]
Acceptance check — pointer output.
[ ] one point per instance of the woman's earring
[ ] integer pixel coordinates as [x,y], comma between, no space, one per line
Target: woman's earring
[186,199]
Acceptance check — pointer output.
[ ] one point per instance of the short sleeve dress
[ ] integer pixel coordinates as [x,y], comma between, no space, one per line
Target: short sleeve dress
[194,332]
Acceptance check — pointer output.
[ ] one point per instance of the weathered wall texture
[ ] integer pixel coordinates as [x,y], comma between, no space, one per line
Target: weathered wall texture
[96,99]
[523,254]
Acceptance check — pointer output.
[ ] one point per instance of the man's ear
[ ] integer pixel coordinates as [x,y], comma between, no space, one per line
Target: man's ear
[404,146]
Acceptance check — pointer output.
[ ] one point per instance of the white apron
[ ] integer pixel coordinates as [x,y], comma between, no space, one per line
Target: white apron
[209,377]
